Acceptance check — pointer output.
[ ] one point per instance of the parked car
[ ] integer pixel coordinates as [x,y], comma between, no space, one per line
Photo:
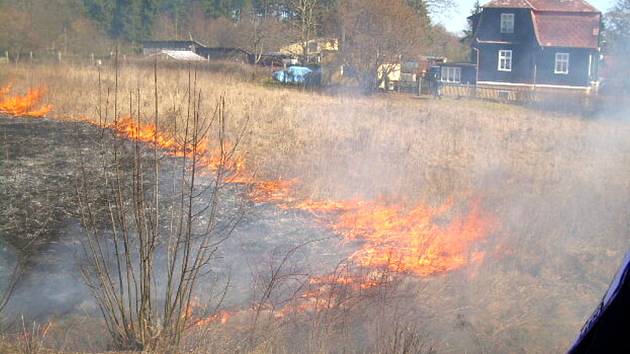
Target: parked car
[298,75]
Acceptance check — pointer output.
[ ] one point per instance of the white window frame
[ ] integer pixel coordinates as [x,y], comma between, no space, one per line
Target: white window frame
[505,57]
[561,64]
[507,23]
[451,74]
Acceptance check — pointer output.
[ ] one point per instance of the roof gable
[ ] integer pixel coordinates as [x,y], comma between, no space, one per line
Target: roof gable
[567,30]
[545,5]
[556,23]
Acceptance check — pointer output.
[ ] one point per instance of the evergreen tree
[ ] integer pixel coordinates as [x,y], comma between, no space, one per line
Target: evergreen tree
[130,20]
[223,8]
[472,22]
[422,10]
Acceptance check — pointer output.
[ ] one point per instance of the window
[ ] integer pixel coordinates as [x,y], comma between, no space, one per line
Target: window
[505,60]
[451,74]
[507,23]
[562,63]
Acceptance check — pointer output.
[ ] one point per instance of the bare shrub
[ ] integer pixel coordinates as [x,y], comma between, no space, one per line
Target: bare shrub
[148,248]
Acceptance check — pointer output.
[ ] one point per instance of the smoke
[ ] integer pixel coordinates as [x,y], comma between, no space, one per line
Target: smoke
[557,185]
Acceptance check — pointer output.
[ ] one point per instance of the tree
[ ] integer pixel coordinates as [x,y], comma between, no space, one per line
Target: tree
[421,9]
[618,28]
[378,33]
[469,32]
[130,20]
[223,8]
[41,26]
[304,16]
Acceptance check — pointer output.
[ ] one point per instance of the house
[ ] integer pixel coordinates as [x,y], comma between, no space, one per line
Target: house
[228,54]
[457,73]
[210,53]
[402,76]
[178,55]
[537,43]
[319,50]
[314,47]
[153,47]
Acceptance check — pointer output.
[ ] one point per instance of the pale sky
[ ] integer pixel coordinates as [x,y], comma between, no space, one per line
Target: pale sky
[455,19]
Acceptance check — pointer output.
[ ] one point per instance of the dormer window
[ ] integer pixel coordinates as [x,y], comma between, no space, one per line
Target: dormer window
[507,23]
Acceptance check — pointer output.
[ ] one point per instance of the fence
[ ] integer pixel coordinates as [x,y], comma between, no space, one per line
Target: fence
[541,96]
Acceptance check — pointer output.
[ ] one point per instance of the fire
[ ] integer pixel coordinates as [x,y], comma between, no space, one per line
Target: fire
[419,240]
[146,133]
[27,105]
[220,317]
[225,158]
[410,240]
[403,239]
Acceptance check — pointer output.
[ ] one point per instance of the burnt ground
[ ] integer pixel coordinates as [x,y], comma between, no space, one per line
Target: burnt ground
[37,168]
[37,165]
[39,225]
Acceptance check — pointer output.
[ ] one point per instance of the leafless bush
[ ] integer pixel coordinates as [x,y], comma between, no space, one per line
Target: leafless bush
[147,246]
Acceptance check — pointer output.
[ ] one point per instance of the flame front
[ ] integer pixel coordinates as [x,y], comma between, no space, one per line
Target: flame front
[411,240]
[27,105]
[394,239]
[419,240]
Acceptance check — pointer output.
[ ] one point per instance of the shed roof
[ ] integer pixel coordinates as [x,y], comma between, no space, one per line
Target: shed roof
[171,44]
[182,55]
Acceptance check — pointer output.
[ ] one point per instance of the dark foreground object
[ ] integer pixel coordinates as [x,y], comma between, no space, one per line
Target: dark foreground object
[608,329]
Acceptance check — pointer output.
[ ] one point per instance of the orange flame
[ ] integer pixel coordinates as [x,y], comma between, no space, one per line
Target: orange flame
[27,105]
[411,240]
[220,317]
[419,240]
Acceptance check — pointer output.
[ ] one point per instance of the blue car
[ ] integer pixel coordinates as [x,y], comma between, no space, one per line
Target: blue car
[294,75]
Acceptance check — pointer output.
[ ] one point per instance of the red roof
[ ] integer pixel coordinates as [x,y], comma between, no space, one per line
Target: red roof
[545,5]
[559,23]
[567,30]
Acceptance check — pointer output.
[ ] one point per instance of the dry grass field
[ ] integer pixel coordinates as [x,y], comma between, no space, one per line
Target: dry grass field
[557,186]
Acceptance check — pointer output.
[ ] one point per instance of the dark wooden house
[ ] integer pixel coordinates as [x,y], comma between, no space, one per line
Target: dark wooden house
[537,43]
[456,73]
[228,54]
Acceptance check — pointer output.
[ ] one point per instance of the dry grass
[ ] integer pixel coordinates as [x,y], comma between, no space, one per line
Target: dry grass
[558,184]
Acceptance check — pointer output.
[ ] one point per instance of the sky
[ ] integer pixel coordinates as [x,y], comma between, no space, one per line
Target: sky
[455,19]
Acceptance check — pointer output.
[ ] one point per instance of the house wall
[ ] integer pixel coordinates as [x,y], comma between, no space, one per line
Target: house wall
[468,72]
[530,62]
[490,26]
[232,54]
[522,43]
[523,57]
[578,67]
